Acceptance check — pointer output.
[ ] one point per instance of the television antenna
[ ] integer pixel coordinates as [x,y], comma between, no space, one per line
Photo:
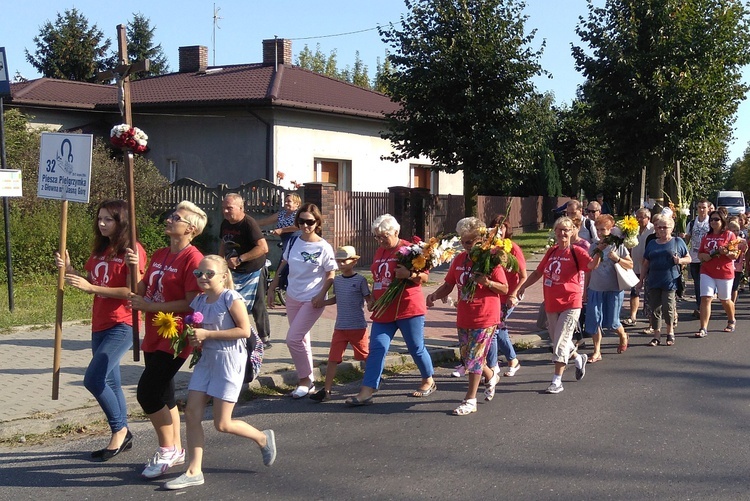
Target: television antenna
[216,25]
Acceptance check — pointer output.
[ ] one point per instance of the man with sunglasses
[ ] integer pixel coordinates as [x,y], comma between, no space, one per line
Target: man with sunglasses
[588,230]
[244,247]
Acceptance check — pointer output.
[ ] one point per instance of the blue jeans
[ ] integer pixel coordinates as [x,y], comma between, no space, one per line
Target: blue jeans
[381,335]
[501,340]
[102,376]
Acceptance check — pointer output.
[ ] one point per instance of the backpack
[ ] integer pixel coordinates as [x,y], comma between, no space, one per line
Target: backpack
[254,347]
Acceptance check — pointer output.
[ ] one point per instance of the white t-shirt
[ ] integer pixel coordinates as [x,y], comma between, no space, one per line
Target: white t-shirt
[637,252]
[697,231]
[588,231]
[309,263]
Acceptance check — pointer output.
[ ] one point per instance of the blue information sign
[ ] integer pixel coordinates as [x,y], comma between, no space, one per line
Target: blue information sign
[4,80]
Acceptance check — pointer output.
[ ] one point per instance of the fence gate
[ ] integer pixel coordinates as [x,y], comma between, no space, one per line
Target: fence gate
[354,213]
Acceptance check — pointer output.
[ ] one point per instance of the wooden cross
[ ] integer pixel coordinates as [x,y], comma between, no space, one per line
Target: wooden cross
[122,73]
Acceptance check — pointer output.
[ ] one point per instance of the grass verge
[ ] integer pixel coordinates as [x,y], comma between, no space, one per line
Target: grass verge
[36,303]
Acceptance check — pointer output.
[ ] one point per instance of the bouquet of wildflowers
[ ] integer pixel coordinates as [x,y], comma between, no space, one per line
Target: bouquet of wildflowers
[731,247]
[177,330]
[486,256]
[132,138]
[417,257]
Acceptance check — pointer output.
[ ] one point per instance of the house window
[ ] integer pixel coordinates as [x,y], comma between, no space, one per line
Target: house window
[423,177]
[338,172]
[172,171]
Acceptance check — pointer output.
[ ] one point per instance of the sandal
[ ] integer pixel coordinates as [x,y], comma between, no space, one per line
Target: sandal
[425,393]
[512,370]
[466,408]
[593,359]
[655,342]
[670,339]
[730,326]
[623,345]
[701,333]
[629,322]
[489,391]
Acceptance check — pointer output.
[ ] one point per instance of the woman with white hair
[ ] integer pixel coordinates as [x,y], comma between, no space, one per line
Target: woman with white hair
[168,286]
[661,268]
[405,314]
[563,297]
[478,316]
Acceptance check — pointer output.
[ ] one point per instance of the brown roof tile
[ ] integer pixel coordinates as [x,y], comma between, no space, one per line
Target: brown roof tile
[291,87]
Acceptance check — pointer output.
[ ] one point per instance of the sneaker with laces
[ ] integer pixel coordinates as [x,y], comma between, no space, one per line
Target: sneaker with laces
[582,371]
[460,371]
[555,388]
[161,462]
[184,481]
[269,451]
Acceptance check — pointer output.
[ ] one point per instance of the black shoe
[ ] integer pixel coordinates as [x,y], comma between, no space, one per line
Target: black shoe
[321,396]
[267,344]
[107,454]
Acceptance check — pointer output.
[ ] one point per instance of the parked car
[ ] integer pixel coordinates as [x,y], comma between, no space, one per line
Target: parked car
[734,201]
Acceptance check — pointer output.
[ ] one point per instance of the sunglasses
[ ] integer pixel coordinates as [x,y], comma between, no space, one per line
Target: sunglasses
[175,218]
[662,227]
[308,222]
[591,211]
[209,274]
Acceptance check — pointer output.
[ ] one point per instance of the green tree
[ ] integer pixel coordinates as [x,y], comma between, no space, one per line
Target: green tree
[318,62]
[359,73]
[461,70]
[70,50]
[141,46]
[382,72]
[539,120]
[664,82]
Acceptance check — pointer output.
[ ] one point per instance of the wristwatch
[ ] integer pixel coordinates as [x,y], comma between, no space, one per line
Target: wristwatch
[239,259]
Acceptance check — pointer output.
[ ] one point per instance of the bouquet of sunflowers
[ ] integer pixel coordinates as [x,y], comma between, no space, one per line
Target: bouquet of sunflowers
[177,330]
[417,257]
[628,227]
[486,255]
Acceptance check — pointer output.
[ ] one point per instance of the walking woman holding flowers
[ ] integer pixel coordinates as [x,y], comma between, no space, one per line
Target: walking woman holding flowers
[108,278]
[405,312]
[220,370]
[717,252]
[479,309]
[168,286]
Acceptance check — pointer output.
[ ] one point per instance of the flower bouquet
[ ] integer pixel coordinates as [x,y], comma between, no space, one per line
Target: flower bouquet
[731,247]
[132,138]
[486,255]
[628,227]
[177,330]
[417,257]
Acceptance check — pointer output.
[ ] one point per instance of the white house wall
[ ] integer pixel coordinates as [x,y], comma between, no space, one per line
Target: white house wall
[301,138]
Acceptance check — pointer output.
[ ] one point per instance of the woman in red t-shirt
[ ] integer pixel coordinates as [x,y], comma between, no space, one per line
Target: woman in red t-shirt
[108,278]
[717,252]
[167,286]
[563,297]
[405,314]
[477,317]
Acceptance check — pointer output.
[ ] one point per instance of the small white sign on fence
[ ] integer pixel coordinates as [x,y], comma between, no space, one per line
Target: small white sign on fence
[10,183]
[65,166]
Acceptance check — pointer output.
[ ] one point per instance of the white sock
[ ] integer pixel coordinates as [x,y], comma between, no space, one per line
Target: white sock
[578,361]
[557,380]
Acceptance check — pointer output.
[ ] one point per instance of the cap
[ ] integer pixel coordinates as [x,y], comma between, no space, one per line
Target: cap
[346,252]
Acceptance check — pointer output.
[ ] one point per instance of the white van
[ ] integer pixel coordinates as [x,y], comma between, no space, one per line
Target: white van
[734,201]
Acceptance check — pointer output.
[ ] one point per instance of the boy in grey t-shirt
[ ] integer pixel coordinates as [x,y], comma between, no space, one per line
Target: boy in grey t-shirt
[351,292]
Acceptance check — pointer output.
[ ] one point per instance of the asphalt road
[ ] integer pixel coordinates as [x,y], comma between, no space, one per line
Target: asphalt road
[652,423]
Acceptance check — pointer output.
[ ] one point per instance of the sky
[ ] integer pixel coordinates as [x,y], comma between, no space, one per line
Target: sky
[344,26]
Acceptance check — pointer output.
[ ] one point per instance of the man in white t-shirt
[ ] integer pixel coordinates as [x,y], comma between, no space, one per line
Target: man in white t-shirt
[645,228]
[588,230]
[694,233]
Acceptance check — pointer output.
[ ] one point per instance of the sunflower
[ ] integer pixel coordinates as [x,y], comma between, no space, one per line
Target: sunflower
[167,324]
[419,262]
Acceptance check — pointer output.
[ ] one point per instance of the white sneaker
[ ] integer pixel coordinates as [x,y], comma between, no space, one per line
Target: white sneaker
[459,372]
[554,388]
[160,463]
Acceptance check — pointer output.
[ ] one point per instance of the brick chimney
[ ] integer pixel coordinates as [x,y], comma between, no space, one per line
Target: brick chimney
[283,49]
[193,59]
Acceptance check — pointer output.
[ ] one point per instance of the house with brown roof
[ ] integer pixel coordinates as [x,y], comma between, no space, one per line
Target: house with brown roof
[234,124]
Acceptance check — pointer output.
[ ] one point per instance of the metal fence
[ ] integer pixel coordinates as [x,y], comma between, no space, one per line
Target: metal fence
[354,213]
